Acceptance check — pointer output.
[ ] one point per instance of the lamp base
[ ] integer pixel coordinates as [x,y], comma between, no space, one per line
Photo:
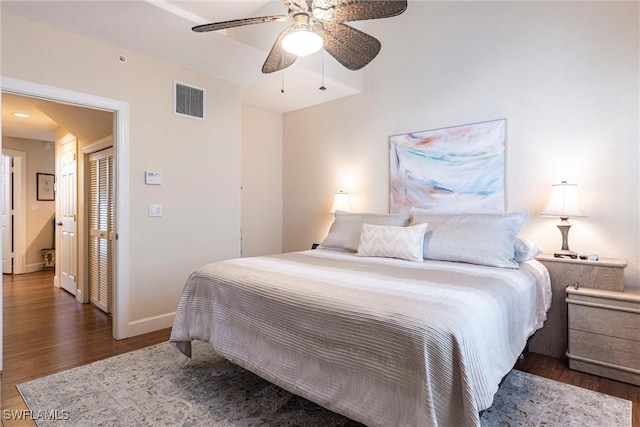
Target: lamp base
[566,254]
[564,227]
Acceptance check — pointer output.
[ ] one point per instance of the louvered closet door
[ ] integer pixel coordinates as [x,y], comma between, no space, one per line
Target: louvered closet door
[101,229]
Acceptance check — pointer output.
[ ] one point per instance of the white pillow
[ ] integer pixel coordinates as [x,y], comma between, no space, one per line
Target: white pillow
[525,249]
[345,231]
[392,242]
[476,238]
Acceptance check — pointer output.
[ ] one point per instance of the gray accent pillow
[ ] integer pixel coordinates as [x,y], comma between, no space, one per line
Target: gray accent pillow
[344,233]
[476,238]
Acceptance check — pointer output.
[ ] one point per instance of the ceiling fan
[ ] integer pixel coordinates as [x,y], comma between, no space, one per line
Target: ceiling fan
[321,23]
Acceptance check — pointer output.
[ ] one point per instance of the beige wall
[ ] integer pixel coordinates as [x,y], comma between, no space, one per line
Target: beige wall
[565,75]
[261,181]
[199,160]
[39,213]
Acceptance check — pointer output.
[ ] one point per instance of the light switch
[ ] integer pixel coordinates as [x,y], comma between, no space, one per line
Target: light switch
[155,210]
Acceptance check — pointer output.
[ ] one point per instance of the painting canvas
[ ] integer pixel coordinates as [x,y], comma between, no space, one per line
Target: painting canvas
[455,169]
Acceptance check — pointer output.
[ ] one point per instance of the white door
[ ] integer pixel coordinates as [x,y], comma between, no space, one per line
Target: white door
[101,229]
[7,213]
[66,215]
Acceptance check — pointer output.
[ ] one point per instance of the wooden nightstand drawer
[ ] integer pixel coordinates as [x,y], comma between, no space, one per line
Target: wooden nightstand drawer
[604,321]
[606,273]
[601,348]
[604,333]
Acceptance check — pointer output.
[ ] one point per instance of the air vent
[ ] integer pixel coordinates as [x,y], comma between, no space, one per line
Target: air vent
[188,100]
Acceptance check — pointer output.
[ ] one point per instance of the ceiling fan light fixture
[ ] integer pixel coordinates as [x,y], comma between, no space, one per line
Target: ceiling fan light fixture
[302,42]
[318,24]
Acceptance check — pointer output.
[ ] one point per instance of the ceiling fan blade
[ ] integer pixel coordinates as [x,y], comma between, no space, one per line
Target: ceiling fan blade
[278,58]
[358,10]
[237,23]
[349,46]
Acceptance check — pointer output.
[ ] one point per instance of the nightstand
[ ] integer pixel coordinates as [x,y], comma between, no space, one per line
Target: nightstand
[606,273]
[604,333]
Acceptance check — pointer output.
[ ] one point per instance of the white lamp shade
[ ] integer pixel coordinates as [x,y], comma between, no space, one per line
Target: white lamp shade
[340,202]
[302,42]
[563,202]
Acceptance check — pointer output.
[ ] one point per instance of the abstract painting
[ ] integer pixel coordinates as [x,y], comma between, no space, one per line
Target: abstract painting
[455,169]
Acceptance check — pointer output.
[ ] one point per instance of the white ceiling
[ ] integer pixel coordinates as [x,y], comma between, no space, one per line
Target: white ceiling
[37,126]
[47,116]
[162,29]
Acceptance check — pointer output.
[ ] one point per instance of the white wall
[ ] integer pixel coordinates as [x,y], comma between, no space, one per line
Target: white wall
[199,160]
[565,75]
[261,181]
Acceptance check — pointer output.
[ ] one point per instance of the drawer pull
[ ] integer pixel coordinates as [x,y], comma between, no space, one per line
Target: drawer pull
[600,305]
[601,363]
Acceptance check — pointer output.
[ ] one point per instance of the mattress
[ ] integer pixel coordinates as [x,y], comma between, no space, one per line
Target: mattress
[383,341]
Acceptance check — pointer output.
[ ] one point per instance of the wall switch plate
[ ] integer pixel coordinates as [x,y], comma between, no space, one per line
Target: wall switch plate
[155,210]
[152,178]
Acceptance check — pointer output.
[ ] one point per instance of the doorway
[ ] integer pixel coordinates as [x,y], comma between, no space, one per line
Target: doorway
[50,212]
[58,213]
[13,196]
[120,109]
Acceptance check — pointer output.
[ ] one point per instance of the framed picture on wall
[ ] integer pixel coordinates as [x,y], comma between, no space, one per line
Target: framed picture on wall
[454,169]
[45,186]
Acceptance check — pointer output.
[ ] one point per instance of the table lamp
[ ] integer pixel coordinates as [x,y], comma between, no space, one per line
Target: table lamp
[563,203]
[340,202]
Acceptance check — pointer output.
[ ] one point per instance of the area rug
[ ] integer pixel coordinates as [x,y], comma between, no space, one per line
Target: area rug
[146,388]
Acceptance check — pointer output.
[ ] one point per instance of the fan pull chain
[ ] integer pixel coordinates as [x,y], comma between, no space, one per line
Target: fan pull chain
[282,84]
[282,71]
[322,86]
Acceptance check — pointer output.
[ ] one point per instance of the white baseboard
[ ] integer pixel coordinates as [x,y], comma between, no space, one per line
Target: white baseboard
[150,324]
[32,268]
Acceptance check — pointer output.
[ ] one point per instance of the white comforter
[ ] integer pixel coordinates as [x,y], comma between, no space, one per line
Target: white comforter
[385,342]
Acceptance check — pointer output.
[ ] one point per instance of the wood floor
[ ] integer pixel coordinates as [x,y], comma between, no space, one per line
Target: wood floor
[46,331]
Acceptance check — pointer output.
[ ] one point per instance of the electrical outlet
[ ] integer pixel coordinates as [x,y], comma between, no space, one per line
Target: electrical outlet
[155,210]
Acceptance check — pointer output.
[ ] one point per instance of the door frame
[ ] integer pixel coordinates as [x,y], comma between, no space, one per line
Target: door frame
[120,109]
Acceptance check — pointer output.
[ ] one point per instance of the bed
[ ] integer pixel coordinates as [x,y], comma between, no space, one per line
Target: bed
[381,340]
